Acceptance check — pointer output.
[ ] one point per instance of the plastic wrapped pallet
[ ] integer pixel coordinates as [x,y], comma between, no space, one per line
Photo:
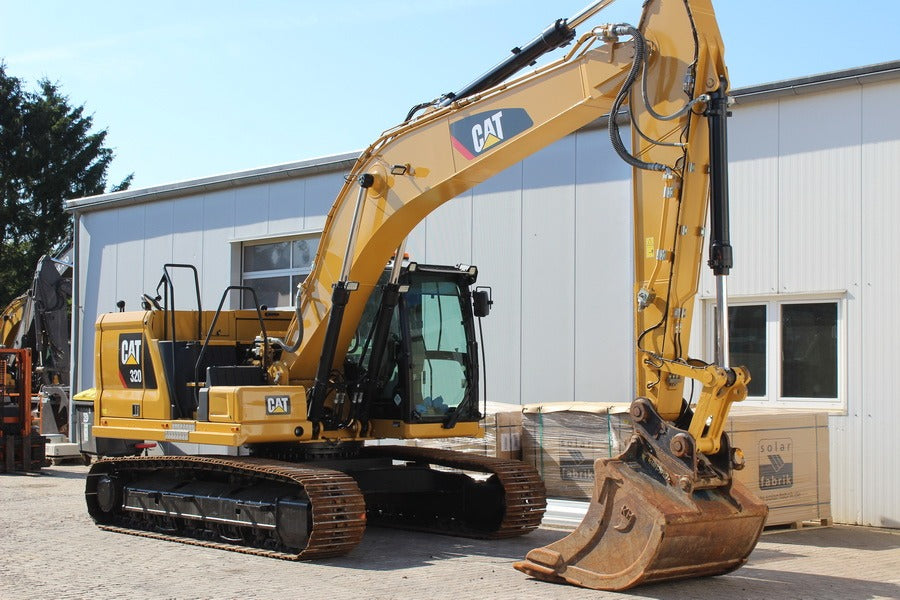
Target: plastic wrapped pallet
[502,437]
[786,453]
[562,441]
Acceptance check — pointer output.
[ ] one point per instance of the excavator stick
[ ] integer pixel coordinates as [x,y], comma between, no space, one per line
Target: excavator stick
[648,522]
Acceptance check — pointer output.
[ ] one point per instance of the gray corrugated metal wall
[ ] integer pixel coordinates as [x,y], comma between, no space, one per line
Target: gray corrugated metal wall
[874,421]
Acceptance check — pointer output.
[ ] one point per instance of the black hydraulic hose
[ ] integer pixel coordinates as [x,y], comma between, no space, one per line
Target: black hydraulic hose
[418,107]
[615,135]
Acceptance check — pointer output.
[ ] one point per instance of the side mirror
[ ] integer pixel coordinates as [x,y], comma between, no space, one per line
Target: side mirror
[482,302]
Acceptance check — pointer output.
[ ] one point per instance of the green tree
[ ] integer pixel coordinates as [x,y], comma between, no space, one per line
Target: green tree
[48,154]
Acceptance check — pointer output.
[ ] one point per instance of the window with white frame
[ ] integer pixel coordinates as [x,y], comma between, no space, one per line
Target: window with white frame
[792,348]
[274,268]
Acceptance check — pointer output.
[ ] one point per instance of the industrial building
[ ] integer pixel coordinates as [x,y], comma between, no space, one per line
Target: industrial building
[812,214]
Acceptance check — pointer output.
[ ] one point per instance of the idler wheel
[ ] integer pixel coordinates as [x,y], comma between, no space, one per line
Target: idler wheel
[108,494]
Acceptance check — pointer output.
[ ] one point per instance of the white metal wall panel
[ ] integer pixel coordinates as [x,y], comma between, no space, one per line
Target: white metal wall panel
[158,241]
[548,271]
[497,252]
[219,213]
[603,273]
[880,319]
[849,440]
[97,261]
[250,206]
[187,239]
[321,190]
[129,256]
[818,191]
[819,248]
[286,206]
[417,242]
[449,232]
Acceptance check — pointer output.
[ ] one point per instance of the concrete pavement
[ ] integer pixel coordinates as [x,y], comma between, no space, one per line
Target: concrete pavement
[50,548]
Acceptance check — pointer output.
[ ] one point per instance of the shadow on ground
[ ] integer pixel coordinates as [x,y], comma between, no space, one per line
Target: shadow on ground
[419,549]
[838,536]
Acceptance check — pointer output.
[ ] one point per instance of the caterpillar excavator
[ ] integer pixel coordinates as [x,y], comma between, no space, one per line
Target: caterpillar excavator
[376,353]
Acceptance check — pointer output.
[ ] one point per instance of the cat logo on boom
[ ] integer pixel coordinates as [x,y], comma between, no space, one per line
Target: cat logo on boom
[480,132]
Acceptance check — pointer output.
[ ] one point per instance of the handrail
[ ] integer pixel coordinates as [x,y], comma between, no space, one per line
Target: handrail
[262,327]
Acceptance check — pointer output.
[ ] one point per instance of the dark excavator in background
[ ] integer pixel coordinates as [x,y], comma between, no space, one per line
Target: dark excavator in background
[36,382]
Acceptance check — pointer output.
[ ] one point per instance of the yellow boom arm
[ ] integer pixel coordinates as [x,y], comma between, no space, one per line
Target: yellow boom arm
[415,167]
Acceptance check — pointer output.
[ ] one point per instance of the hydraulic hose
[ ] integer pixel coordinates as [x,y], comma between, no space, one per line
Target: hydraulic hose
[298,316]
[615,135]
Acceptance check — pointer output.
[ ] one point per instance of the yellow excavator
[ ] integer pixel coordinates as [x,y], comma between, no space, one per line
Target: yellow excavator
[377,352]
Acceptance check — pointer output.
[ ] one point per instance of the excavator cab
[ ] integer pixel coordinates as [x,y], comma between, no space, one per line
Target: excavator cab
[426,368]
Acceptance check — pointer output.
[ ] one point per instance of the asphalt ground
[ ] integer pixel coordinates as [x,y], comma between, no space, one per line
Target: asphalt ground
[50,548]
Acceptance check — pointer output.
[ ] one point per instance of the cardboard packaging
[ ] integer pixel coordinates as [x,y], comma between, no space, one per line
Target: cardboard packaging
[506,433]
[786,453]
[786,461]
[502,437]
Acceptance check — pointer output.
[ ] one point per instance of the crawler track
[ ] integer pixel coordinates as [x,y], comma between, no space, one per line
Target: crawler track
[517,490]
[337,507]
[303,511]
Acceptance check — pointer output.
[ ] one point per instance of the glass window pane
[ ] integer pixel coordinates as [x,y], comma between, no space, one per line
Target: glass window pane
[271,291]
[809,350]
[438,347]
[304,252]
[266,257]
[442,317]
[747,343]
[443,386]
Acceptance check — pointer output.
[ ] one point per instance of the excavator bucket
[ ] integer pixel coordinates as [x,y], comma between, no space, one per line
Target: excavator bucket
[639,528]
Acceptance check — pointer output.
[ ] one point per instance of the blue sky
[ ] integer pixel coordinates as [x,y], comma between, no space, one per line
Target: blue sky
[189,89]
